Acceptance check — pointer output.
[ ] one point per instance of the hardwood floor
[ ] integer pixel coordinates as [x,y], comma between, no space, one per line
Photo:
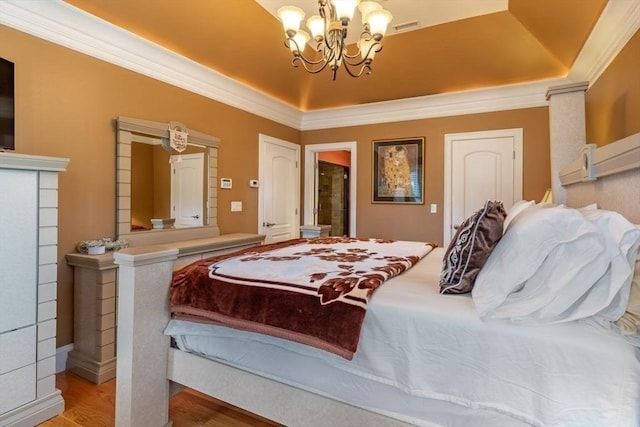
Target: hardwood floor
[91,405]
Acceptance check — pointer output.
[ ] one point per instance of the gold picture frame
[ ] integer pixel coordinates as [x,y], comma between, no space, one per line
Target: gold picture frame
[398,171]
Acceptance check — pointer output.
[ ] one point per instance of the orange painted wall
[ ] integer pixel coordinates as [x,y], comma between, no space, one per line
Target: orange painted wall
[414,222]
[66,104]
[613,102]
[342,158]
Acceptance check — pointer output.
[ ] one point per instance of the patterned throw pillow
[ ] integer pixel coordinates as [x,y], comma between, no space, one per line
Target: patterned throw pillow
[470,248]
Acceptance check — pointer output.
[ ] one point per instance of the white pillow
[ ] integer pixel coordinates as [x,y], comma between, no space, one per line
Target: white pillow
[588,207]
[546,261]
[514,210]
[611,292]
[629,323]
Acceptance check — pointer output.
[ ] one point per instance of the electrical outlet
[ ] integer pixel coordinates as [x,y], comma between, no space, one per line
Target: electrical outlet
[434,208]
[236,206]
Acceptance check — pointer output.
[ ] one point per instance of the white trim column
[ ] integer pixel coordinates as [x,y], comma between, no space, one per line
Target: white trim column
[567,130]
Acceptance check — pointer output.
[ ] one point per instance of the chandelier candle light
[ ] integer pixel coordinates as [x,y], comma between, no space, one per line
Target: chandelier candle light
[329,30]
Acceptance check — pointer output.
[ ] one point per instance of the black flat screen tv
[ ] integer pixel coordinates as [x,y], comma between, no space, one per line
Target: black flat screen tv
[7,105]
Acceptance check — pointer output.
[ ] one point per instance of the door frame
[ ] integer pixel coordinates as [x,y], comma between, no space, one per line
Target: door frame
[452,138]
[346,185]
[262,141]
[310,152]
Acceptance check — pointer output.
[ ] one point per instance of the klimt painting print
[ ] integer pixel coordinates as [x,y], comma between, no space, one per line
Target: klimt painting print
[398,172]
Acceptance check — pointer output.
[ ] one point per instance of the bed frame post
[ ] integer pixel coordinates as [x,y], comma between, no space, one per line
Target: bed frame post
[142,388]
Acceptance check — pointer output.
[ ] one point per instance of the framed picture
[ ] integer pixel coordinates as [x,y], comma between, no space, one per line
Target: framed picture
[398,171]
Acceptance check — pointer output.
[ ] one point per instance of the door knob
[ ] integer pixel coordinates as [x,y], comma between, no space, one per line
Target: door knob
[195,216]
[268,224]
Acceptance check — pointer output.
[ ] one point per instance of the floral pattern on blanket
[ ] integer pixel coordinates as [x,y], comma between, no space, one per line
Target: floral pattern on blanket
[347,277]
[313,291]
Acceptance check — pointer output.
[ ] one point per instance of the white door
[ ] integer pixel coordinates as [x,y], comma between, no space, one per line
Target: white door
[187,190]
[480,166]
[279,191]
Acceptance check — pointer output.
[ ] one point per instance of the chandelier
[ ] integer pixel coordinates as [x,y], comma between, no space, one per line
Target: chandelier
[329,30]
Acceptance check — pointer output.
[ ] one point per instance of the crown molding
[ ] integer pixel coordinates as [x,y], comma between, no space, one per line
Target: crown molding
[619,21]
[13,160]
[63,24]
[68,26]
[510,97]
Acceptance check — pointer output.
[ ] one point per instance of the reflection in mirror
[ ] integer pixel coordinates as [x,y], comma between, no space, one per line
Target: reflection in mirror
[159,201]
[167,190]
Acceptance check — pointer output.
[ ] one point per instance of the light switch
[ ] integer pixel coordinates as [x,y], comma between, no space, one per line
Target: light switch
[236,206]
[434,208]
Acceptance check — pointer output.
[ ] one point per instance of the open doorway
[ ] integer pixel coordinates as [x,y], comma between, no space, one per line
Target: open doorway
[333,196]
[314,154]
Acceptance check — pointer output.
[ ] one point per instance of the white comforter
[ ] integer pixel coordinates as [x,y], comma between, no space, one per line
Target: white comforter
[419,347]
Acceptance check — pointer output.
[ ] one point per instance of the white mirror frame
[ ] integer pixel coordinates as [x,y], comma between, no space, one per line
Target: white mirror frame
[127,129]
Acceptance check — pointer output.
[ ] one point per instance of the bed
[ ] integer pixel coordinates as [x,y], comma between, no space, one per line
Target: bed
[423,357]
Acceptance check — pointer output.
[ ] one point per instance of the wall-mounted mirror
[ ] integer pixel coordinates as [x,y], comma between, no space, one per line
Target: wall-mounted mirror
[162,195]
[167,190]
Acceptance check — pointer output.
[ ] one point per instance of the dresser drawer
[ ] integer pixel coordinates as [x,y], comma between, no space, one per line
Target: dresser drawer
[19,259]
[18,388]
[17,349]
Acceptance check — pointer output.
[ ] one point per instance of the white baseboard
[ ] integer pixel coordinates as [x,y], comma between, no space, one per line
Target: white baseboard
[61,357]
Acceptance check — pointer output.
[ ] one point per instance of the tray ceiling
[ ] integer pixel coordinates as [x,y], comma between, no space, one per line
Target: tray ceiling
[454,47]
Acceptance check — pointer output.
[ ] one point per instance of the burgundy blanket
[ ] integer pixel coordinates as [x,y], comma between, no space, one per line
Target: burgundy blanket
[313,291]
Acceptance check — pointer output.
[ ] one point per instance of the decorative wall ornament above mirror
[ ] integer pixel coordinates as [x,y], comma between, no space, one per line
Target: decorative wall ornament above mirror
[178,137]
[146,209]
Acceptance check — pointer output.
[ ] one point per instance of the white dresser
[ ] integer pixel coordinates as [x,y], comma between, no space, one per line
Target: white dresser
[28,287]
